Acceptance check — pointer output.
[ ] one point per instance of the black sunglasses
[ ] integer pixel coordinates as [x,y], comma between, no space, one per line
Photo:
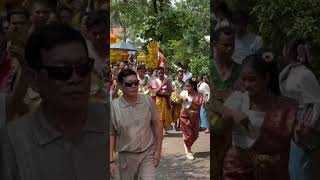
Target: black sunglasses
[63,73]
[130,84]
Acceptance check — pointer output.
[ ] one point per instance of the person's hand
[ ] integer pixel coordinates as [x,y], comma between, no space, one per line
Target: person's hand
[164,83]
[113,169]
[303,128]
[184,98]
[263,160]
[157,157]
[241,118]
[16,52]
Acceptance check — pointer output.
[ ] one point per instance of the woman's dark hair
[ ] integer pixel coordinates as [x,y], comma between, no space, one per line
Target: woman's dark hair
[227,30]
[124,73]
[263,62]
[193,83]
[292,48]
[160,68]
[202,78]
[223,9]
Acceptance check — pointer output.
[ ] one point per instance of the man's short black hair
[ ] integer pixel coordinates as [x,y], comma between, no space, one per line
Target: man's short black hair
[49,37]
[17,11]
[227,30]
[125,73]
[160,69]
[96,18]
[115,65]
[141,66]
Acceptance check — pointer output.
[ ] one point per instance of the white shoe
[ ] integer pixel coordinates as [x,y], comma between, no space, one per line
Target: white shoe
[190,156]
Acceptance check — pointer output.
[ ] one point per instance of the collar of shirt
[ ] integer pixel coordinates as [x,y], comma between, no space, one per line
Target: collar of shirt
[124,103]
[46,134]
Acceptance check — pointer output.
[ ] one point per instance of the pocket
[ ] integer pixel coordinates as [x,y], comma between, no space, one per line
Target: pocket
[123,162]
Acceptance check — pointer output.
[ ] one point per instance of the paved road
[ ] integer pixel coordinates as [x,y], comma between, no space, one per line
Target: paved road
[174,164]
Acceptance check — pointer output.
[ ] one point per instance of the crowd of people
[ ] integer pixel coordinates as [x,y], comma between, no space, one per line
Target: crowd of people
[264,108]
[172,104]
[53,89]
[261,110]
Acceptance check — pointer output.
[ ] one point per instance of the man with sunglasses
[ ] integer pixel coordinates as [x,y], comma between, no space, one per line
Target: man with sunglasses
[136,131]
[66,137]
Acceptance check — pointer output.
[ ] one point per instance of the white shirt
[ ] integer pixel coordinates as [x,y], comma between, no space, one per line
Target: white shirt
[204,89]
[247,45]
[187,76]
[298,82]
[242,137]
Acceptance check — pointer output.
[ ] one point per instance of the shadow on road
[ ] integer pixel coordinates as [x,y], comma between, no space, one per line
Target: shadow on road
[202,155]
[178,167]
[173,135]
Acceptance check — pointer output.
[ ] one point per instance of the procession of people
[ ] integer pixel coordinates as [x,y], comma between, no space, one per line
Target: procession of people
[174,103]
[68,112]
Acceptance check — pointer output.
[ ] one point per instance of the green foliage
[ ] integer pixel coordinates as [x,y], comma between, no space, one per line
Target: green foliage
[278,21]
[180,29]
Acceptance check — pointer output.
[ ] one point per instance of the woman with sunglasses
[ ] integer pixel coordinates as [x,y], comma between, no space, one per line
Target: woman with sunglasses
[190,115]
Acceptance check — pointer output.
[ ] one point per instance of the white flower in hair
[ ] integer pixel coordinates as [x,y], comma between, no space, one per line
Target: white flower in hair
[268,56]
[193,79]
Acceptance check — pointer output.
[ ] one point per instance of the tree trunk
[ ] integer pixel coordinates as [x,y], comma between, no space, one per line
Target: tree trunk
[154,7]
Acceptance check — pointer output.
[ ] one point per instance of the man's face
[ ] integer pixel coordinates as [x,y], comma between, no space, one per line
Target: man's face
[160,74]
[180,76]
[40,14]
[141,72]
[73,92]
[115,69]
[225,46]
[98,35]
[18,22]
[66,17]
[241,27]
[5,26]
[122,66]
[185,70]
[129,86]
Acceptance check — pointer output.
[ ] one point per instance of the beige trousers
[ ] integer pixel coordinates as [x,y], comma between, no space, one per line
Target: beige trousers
[137,166]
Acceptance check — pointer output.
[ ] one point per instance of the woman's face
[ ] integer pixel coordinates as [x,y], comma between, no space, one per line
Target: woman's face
[286,55]
[160,74]
[188,87]
[154,73]
[252,82]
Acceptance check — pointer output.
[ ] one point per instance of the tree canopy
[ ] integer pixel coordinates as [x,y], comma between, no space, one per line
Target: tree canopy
[180,28]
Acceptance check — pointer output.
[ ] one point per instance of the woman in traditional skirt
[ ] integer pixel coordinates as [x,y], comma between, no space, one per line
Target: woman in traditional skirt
[260,124]
[162,89]
[190,115]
